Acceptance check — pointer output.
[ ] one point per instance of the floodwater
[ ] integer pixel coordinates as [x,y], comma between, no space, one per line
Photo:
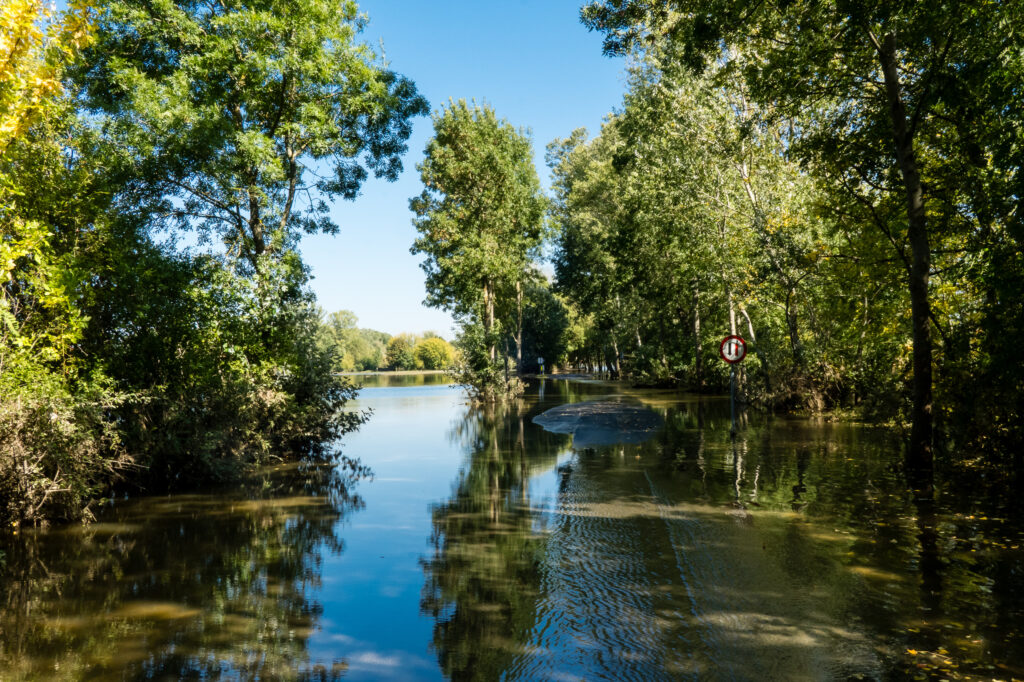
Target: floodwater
[486,547]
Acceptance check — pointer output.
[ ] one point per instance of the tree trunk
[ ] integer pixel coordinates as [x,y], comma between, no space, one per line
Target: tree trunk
[698,365]
[760,356]
[489,317]
[519,329]
[919,455]
[732,314]
[616,357]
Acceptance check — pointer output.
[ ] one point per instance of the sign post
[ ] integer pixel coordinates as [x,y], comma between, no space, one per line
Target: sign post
[733,349]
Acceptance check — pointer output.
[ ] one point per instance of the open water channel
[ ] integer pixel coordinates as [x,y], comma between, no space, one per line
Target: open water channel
[486,547]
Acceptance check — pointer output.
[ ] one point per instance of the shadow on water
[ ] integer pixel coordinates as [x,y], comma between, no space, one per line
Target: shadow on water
[183,587]
[796,551]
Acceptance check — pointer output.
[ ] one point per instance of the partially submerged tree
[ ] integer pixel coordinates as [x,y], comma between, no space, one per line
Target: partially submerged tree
[883,95]
[480,219]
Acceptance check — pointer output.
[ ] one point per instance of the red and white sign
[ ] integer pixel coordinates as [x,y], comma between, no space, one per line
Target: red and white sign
[733,349]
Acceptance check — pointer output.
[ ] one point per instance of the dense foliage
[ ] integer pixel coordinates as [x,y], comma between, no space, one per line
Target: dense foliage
[125,360]
[354,349]
[837,182]
[480,219]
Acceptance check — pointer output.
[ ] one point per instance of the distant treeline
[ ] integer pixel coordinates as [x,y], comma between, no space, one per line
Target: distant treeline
[367,350]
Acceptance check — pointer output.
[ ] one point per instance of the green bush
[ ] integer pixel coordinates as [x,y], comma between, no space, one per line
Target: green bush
[485,380]
[400,354]
[59,448]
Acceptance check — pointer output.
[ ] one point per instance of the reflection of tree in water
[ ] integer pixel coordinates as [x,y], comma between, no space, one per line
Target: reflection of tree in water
[928,575]
[482,580]
[181,587]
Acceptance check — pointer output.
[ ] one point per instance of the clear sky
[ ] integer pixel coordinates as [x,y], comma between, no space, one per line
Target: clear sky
[531,60]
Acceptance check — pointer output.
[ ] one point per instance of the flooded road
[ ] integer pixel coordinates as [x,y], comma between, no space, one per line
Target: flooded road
[485,546]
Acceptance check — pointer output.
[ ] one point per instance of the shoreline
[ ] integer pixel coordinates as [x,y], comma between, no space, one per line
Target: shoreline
[390,373]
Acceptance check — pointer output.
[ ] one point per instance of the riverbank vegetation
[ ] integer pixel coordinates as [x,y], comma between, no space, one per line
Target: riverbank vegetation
[837,185]
[126,359]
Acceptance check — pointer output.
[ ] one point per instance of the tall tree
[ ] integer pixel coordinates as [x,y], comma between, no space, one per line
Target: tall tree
[480,216]
[875,84]
[228,107]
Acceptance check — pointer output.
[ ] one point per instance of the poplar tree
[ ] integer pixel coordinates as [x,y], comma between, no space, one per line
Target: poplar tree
[883,93]
[480,218]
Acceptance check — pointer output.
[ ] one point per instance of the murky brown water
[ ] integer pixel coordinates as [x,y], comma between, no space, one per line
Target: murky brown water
[485,547]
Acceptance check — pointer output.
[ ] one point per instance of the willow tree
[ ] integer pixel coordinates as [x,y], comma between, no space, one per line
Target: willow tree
[227,108]
[480,218]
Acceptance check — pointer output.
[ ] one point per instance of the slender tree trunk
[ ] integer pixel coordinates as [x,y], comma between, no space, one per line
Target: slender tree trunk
[616,357]
[489,317]
[505,355]
[519,328]
[732,314]
[698,364]
[760,356]
[919,454]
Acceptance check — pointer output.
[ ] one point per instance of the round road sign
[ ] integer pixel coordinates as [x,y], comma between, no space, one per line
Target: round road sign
[733,349]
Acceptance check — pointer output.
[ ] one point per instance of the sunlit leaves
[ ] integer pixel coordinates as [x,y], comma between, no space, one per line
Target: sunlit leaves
[248,117]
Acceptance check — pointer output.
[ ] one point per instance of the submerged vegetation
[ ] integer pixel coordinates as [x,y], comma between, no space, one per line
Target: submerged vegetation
[125,360]
[839,185]
[837,182]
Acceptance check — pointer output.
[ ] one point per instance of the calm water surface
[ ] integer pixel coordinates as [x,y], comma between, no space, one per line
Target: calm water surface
[484,547]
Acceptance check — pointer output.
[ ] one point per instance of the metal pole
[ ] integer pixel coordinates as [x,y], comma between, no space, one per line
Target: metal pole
[732,398]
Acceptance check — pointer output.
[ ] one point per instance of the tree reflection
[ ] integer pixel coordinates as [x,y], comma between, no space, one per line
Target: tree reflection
[482,580]
[197,586]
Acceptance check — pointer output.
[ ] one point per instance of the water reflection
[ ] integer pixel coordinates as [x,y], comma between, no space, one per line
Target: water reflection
[795,551]
[190,586]
[491,549]
[397,379]
[482,577]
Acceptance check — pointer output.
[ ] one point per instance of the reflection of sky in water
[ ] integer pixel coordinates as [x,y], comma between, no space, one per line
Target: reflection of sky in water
[544,493]
[792,552]
[371,591]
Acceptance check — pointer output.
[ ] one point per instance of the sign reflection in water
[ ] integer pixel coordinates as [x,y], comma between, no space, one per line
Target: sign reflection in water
[486,547]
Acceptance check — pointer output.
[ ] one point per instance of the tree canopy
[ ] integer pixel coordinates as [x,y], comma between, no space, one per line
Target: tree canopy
[480,218]
[901,111]
[232,111]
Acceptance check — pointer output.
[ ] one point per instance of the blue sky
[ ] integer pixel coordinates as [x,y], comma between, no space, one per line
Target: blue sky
[530,59]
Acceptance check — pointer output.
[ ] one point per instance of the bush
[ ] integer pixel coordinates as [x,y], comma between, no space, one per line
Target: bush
[59,448]
[400,354]
[486,381]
